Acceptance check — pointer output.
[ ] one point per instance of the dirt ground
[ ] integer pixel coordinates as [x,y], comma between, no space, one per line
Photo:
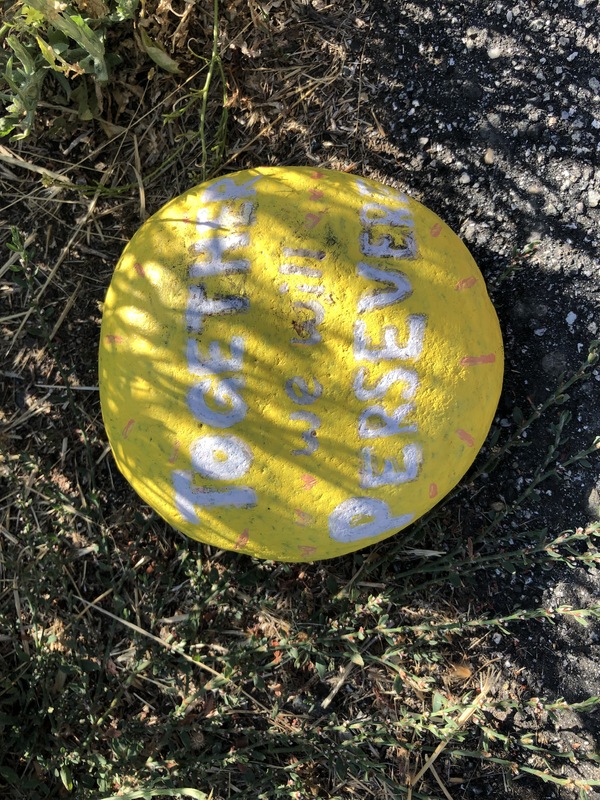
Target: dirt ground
[488,112]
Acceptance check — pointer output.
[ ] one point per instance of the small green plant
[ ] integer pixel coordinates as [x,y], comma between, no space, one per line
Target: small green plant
[23,79]
[200,97]
[519,257]
[18,246]
[42,38]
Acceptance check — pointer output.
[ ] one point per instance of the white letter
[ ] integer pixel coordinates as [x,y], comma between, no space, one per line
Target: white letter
[391,349]
[378,190]
[199,306]
[305,398]
[220,240]
[187,496]
[294,269]
[221,458]
[301,252]
[215,248]
[215,362]
[309,436]
[396,217]
[390,424]
[225,395]
[318,290]
[390,475]
[380,298]
[407,376]
[382,248]
[227,218]
[226,189]
[345,520]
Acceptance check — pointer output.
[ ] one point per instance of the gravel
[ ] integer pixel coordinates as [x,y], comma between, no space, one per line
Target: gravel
[489,113]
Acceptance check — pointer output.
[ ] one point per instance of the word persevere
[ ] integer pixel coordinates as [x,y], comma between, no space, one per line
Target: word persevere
[366,517]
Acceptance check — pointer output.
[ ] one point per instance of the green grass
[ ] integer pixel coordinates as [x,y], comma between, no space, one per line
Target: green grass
[62,53]
[137,664]
[41,40]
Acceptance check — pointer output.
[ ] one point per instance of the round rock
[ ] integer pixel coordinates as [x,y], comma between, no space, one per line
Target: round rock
[296,363]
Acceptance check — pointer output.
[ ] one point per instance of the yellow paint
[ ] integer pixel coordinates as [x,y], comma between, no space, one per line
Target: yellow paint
[296,363]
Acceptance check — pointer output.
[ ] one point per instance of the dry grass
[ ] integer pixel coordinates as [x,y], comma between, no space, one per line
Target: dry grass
[134,663]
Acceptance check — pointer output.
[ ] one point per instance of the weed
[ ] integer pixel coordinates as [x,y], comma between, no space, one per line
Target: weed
[518,258]
[45,40]
[42,38]
[200,97]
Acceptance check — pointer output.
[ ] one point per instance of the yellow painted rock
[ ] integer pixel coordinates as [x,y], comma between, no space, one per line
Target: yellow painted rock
[296,363]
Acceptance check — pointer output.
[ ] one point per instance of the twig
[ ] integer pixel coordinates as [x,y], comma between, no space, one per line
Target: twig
[440,783]
[10,158]
[338,684]
[344,676]
[137,169]
[68,306]
[462,720]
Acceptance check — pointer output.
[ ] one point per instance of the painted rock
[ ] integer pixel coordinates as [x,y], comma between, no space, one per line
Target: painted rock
[296,363]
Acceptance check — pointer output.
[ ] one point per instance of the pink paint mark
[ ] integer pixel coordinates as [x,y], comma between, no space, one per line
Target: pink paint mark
[433,490]
[139,269]
[316,194]
[309,481]
[174,453]
[242,539]
[307,550]
[436,230]
[114,339]
[316,175]
[471,361]
[127,428]
[466,437]
[312,220]
[466,283]
[187,220]
[303,518]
